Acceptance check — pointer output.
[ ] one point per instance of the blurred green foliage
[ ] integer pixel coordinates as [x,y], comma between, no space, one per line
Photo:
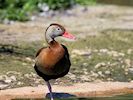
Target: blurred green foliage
[86,2]
[21,9]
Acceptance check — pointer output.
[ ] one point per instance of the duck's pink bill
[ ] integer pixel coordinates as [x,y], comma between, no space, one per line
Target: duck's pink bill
[69,36]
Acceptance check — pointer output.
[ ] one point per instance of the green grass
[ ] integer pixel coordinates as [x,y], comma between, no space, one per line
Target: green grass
[112,40]
[87,2]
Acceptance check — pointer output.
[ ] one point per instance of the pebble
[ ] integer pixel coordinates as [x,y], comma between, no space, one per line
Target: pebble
[130,70]
[129,51]
[20,83]
[100,73]
[107,72]
[28,59]
[8,81]
[3,86]
[103,50]
[13,78]
[128,62]
[81,52]
[100,65]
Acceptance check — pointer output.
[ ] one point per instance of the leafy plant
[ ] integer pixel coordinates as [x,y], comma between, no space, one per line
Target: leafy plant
[86,2]
[21,9]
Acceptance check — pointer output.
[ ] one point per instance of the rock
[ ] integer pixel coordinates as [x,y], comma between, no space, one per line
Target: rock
[129,51]
[128,62]
[109,79]
[93,74]
[28,59]
[81,52]
[107,72]
[103,50]
[20,83]
[8,81]
[100,65]
[130,70]
[113,53]
[13,78]
[101,73]
[3,85]
[121,54]
[12,72]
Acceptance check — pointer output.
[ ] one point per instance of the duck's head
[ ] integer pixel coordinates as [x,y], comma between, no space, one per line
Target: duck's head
[55,30]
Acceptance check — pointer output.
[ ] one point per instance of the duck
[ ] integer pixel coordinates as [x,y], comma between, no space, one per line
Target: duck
[53,61]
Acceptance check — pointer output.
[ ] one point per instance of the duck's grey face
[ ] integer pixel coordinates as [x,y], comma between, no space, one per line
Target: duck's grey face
[55,30]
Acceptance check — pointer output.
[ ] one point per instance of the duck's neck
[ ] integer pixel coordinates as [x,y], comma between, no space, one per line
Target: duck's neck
[53,44]
[49,38]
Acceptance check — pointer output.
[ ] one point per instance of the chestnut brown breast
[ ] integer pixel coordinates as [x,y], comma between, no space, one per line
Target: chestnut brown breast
[48,57]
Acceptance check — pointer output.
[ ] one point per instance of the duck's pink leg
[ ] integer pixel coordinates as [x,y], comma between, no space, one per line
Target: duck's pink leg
[50,90]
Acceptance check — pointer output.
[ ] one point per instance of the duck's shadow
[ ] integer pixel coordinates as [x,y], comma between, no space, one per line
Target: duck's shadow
[60,95]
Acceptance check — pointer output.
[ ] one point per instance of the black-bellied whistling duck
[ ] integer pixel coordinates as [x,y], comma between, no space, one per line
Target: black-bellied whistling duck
[53,61]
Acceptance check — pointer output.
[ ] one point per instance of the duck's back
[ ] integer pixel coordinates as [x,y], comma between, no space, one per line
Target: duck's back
[59,69]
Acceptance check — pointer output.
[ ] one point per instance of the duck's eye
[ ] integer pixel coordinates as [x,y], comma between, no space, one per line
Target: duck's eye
[58,29]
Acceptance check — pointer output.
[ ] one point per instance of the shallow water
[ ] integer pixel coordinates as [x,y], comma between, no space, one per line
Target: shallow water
[120,97]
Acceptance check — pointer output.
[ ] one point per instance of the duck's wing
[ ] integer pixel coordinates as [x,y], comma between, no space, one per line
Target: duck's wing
[63,65]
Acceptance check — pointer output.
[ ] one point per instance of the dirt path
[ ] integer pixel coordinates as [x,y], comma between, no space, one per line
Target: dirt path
[78,90]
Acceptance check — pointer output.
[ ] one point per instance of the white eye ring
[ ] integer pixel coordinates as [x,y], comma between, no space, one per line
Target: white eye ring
[58,29]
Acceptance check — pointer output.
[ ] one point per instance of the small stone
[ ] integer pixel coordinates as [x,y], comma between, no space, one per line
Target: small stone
[129,51]
[81,52]
[128,62]
[3,85]
[8,81]
[130,70]
[94,74]
[100,65]
[109,79]
[107,72]
[28,59]
[103,50]
[13,78]
[100,73]
[20,83]
[121,54]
